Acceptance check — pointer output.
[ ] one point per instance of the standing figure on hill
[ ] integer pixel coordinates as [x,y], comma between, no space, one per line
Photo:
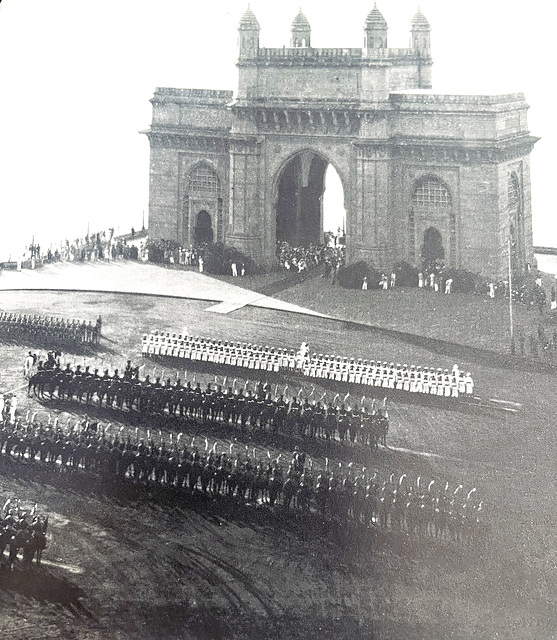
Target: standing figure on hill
[13,408]
[29,362]
[393,279]
[364,284]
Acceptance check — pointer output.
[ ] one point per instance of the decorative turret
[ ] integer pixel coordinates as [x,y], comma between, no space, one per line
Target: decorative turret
[375,29]
[421,34]
[248,43]
[301,31]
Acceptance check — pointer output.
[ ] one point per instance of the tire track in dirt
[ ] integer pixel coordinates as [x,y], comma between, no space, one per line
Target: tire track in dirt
[234,585]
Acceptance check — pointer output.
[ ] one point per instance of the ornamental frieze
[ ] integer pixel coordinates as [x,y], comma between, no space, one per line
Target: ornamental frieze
[189,143]
[309,121]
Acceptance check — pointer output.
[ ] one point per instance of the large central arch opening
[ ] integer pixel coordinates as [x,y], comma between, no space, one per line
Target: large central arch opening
[310,204]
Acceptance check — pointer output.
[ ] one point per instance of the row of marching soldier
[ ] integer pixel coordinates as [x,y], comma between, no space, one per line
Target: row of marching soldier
[49,329]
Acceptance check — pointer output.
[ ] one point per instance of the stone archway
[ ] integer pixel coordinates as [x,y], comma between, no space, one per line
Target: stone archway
[432,214]
[300,188]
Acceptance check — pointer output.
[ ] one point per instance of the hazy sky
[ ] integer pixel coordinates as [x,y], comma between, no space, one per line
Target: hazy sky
[76,79]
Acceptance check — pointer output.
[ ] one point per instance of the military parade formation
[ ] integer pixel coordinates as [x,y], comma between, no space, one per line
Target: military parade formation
[341,494]
[232,408]
[371,373]
[50,330]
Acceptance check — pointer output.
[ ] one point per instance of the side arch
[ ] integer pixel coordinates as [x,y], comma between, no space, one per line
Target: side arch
[202,191]
[432,206]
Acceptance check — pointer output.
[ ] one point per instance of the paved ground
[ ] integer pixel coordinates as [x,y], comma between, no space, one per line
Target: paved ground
[135,277]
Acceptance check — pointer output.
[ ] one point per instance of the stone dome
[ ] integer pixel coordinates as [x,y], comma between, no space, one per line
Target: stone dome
[375,19]
[419,20]
[300,22]
[249,21]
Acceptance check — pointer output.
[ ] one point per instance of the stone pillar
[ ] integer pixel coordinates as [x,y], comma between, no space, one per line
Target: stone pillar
[371,231]
[246,228]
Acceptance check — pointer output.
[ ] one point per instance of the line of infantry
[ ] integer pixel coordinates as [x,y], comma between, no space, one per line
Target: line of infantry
[413,379]
[45,328]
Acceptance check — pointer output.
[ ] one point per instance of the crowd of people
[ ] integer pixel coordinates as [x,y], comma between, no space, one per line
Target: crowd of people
[51,330]
[22,530]
[101,245]
[413,379]
[170,252]
[300,259]
[344,494]
[237,406]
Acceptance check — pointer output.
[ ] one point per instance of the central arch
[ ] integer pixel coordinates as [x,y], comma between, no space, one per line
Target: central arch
[300,199]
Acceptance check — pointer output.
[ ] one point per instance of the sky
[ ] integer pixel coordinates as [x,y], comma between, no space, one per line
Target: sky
[76,79]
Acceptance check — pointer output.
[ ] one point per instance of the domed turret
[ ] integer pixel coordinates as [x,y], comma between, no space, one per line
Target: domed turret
[248,43]
[421,34]
[248,22]
[301,31]
[419,20]
[375,18]
[375,29]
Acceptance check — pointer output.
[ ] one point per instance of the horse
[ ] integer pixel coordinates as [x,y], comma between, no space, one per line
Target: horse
[289,489]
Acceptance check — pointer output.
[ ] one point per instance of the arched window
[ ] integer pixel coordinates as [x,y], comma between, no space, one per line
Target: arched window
[203,180]
[431,192]
[432,206]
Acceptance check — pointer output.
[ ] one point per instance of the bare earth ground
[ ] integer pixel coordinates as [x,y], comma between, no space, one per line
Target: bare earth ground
[123,565]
